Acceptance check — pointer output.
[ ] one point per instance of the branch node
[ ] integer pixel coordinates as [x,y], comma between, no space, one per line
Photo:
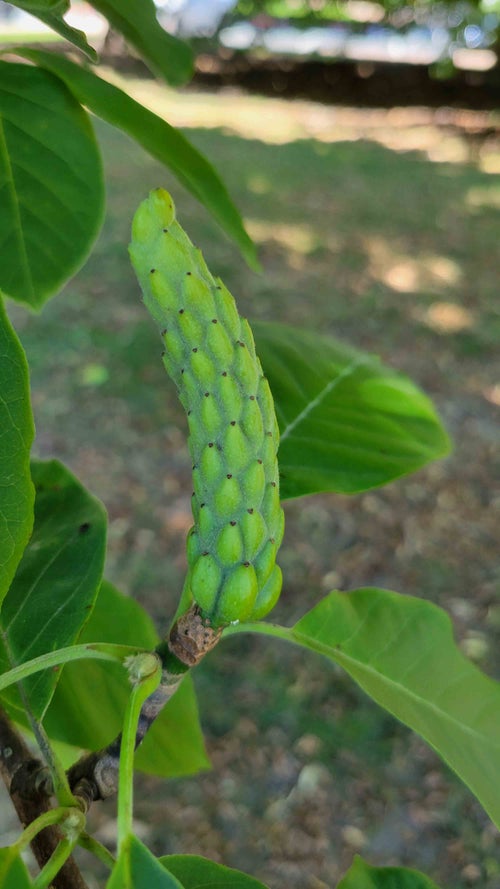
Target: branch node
[31,777]
[84,792]
[192,637]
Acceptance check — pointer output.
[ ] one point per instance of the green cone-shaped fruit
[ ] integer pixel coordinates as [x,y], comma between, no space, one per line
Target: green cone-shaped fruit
[233,432]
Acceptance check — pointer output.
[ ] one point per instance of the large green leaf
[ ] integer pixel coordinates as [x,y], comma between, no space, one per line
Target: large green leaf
[347,423]
[136,20]
[157,137]
[400,650]
[56,581]
[51,188]
[17,493]
[13,871]
[362,876]
[137,868]
[195,872]
[174,744]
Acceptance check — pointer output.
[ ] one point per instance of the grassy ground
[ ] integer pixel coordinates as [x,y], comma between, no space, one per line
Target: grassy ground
[381,228]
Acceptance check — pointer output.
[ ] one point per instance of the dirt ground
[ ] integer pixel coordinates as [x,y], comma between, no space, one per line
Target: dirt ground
[379,227]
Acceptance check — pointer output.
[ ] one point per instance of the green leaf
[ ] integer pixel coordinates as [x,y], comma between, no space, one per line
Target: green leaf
[174,744]
[195,872]
[347,423]
[17,493]
[56,581]
[401,651]
[157,137]
[51,12]
[362,876]
[74,36]
[137,868]
[136,20]
[51,187]
[13,871]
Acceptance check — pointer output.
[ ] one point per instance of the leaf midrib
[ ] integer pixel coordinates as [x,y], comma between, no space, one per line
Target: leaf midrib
[339,656]
[322,394]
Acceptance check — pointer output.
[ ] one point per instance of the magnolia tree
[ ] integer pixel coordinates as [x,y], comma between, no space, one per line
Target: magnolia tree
[272,413]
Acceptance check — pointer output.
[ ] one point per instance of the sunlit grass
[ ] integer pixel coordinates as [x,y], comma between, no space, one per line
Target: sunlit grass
[444,135]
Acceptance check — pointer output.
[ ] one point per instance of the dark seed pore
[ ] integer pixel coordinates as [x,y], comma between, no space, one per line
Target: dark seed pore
[84,528]
[152,271]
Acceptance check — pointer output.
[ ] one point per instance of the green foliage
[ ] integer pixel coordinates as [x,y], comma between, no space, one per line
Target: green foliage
[210,355]
[16,489]
[362,876]
[173,746]
[136,20]
[137,868]
[347,423]
[13,871]
[193,871]
[162,141]
[51,174]
[51,13]
[400,650]
[56,581]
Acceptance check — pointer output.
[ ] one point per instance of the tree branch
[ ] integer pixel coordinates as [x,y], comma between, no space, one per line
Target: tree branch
[95,776]
[24,778]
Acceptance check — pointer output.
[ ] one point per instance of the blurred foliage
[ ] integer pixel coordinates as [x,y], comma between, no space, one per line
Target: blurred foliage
[322,11]
[454,15]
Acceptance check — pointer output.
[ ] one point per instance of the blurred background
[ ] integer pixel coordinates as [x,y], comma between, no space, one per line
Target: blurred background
[360,141]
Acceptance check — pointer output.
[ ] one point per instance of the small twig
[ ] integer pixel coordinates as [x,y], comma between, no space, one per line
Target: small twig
[21,773]
[95,776]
